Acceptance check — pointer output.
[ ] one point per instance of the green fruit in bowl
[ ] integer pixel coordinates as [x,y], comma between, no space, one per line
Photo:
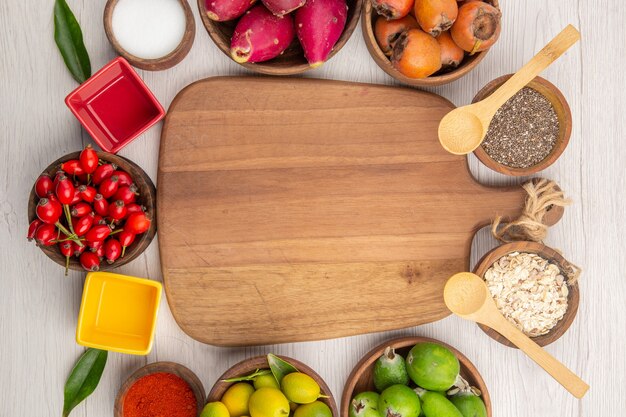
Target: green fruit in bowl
[265,381]
[364,404]
[300,388]
[432,366]
[398,401]
[435,404]
[469,405]
[268,402]
[215,409]
[390,369]
[314,409]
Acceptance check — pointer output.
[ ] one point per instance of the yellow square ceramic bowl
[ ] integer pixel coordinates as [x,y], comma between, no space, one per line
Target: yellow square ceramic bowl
[118,313]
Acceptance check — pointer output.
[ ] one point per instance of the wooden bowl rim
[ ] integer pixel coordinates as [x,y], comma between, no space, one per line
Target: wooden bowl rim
[136,248]
[383,61]
[552,255]
[249,365]
[471,375]
[156,367]
[155,64]
[556,97]
[268,67]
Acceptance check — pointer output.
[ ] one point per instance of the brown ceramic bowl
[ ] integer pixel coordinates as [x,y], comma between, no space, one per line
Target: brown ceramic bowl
[442,77]
[247,366]
[551,255]
[168,367]
[147,198]
[361,378]
[292,61]
[554,95]
[156,64]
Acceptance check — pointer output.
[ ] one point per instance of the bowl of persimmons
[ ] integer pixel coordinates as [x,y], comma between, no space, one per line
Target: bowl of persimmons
[430,42]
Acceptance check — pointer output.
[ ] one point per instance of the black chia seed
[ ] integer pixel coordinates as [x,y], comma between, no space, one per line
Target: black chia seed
[523,131]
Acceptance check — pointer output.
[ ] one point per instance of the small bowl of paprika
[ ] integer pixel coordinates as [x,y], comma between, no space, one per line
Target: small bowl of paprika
[160,388]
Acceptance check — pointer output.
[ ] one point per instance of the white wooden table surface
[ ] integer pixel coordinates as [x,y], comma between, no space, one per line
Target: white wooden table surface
[39,306]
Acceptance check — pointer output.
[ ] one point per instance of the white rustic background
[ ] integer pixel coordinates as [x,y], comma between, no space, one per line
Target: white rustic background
[39,306]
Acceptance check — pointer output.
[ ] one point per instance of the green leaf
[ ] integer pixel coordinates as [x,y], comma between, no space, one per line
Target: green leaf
[84,378]
[69,40]
[250,377]
[279,367]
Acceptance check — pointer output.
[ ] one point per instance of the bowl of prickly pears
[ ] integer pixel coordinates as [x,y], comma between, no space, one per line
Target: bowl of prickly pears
[92,211]
[270,386]
[415,376]
[280,37]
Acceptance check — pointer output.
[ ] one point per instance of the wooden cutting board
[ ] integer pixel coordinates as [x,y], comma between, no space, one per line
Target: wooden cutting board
[300,209]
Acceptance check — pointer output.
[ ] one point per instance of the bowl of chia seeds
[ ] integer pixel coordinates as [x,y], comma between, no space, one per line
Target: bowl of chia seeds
[529,132]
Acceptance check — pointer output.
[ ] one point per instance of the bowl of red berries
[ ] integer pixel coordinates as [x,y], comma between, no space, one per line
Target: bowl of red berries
[92,211]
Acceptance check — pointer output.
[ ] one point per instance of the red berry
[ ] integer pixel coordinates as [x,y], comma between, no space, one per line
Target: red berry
[98,219]
[112,250]
[43,185]
[48,211]
[103,172]
[109,186]
[66,250]
[126,239]
[123,177]
[89,159]
[45,234]
[87,193]
[73,167]
[94,246]
[137,223]
[78,249]
[117,210]
[98,233]
[80,209]
[100,205]
[126,193]
[57,175]
[134,208]
[99,251]
[90,261]
[65,190]
[32,228]
[84,224]
[76,198]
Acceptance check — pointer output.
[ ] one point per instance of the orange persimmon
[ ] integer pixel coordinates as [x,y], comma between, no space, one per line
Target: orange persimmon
[392,9]
[435,16]
[388,31]
[451,53]
[477,26]
[416,54]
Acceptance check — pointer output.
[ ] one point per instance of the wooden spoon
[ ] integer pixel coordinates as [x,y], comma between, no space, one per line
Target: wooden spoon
[463,129]
[467,296]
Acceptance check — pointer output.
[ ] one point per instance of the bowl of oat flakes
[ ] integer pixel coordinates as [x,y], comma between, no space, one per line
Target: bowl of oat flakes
[534,287]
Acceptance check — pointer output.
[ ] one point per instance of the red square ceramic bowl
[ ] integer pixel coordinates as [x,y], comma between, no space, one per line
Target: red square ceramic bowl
[115,106]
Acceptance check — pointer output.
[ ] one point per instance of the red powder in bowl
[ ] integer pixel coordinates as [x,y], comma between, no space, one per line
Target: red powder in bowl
[160,395]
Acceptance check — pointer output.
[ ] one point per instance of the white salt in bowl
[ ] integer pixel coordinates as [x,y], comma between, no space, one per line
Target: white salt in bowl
[153,35]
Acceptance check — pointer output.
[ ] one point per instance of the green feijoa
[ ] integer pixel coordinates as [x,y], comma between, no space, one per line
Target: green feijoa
[435,404]
[398,401]
[390,369]
[364,404]
[469,405]
[432,366]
